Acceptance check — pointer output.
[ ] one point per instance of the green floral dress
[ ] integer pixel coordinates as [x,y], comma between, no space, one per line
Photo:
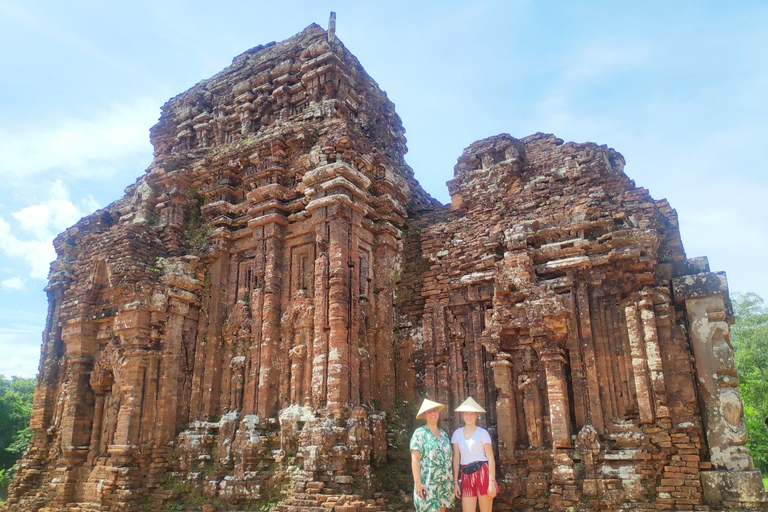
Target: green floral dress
[436,470]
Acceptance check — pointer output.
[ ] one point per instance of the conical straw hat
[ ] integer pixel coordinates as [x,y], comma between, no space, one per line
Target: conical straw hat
[469,405]
[427,405]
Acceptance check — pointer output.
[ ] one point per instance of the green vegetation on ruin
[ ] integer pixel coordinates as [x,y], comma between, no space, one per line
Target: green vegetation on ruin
[749,336]
[15,408]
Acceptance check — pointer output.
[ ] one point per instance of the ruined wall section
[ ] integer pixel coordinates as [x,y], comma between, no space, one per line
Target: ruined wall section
[549,298]
[226,328]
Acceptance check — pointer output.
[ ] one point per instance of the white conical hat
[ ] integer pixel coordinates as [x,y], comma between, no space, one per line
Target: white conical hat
[469,405]
[428,405]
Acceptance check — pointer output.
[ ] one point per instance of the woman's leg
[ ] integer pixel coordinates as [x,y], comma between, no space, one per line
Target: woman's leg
[486,503]
[468,503]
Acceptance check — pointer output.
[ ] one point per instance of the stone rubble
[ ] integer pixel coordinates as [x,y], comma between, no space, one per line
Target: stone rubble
[255,322]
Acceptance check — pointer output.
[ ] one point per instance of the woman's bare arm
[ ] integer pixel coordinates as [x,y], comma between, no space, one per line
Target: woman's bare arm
[456,465]
[491,469]
[418,487]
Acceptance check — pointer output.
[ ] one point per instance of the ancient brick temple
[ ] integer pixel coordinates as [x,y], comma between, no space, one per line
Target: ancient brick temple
[256,321]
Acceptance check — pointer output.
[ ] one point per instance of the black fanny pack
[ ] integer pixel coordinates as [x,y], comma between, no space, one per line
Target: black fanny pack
[468,469]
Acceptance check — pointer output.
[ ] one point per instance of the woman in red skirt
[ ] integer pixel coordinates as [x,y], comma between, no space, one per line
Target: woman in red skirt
[474,468]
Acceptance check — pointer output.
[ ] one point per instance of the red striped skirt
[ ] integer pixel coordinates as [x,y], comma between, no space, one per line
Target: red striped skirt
[475,484]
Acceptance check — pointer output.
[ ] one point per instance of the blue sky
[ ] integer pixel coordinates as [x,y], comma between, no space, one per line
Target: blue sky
[679,88]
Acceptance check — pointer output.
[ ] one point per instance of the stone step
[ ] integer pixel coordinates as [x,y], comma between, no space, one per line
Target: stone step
[289,508]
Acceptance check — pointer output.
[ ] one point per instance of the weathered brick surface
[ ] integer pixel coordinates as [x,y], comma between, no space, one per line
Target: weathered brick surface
[256,319]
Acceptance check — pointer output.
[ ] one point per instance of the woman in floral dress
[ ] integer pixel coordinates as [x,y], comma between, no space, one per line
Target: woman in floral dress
[431,456]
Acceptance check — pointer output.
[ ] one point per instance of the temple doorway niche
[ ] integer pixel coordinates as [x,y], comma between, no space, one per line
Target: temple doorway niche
[100,293]
[236,333]
[613,357]
[469,361]
[106,404]
[297,333]
[102,383]
[532,399]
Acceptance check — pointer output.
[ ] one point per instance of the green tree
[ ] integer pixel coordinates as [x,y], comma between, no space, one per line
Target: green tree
[15,407]
[750,342]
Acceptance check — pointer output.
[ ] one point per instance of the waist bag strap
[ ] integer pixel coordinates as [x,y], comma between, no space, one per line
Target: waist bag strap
[468,469]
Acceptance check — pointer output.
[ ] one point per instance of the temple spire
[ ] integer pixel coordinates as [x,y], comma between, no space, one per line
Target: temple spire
[332,28]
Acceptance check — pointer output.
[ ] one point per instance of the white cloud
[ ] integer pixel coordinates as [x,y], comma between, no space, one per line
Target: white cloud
[20,346]
[76,147]
[38,224]
[37,253]
[55,214]
[14,284]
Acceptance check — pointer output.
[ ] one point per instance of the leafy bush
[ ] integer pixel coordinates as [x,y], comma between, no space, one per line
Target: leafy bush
[750,342]
[15,407]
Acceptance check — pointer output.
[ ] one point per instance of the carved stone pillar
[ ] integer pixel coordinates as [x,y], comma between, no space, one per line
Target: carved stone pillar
[77,417]
[559,415]
[588,447]
[181,297]
[268,229]
[639,367]
[338,307]
[98,416]
[382,349]
[76,422]
[557,395]
[594,402]
[178,309]
[653,357]
[268,222]
[338,198]
[530,400]
[733,477]
[506,407]
[319,382]
[297,328]
[101,383]
[210,357]
[133,328]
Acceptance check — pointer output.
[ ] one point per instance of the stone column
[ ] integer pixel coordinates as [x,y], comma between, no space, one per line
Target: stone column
[337,204]
[639,368]
[653,357]
[101,384]
[733,477]
[559,414]
[268,231]
[588,446]
[506,407]
[338,308]
[210,388]
[98,416]
[133,328]
[43,407]
[252,370]
[268,222]
[76,423]
[594,402]
[382,346]
[319,382]
[171,362]
[557,395]
[77,417]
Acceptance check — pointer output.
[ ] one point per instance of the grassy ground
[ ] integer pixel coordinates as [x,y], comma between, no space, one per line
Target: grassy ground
[765,482]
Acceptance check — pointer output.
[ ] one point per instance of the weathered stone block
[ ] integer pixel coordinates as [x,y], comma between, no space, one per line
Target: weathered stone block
[699,285]
[746,487]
